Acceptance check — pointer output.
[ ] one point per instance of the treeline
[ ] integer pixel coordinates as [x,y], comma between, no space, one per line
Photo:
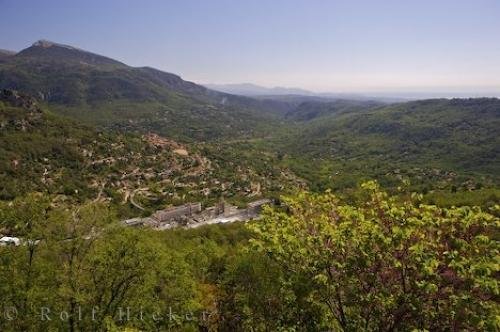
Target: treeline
[313,263]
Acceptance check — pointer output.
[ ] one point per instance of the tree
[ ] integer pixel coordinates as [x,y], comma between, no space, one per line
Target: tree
[87,272]
[22,269]
[389,263]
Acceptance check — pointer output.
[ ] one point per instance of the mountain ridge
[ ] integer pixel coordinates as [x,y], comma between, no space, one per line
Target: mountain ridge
[57,51]
[104,91]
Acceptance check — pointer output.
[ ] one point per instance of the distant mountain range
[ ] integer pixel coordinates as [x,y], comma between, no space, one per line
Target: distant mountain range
[249,89]
[253,90]
[458,134]
[261,92]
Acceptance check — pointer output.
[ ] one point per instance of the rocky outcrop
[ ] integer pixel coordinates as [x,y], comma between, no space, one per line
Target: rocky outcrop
[17,99]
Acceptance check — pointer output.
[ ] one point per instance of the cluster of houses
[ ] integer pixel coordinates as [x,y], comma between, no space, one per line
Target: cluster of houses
[192,215]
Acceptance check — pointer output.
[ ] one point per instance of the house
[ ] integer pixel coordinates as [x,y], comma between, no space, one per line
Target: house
[178,212]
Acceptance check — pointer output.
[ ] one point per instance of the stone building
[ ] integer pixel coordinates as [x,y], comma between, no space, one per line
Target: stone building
[192,215]
[177,213]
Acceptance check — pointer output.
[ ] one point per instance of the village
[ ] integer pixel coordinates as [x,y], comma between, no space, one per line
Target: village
[192,215]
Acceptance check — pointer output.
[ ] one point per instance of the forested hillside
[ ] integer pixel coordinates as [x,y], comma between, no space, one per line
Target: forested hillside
[44,152]
[435,144]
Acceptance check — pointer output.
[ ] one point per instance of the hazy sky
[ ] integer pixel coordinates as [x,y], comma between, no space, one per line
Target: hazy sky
[322,45]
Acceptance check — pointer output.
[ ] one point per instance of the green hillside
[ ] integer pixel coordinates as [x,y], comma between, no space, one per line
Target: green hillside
[434,143]
[44,152]
[103,91]
[310,110]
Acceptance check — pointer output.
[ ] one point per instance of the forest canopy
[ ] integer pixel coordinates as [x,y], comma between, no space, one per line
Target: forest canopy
[312,263]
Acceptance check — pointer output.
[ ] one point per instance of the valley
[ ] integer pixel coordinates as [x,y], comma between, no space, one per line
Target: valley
[129,187]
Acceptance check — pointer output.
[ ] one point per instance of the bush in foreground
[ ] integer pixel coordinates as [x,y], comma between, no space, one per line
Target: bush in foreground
[386,264]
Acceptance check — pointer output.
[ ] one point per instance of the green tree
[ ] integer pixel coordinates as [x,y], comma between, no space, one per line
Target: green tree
[388,263]
[82,260]
[22,268]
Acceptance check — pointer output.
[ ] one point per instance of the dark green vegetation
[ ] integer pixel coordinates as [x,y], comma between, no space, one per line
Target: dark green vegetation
[104,141]
[437,144]
[413,133]
[310,110]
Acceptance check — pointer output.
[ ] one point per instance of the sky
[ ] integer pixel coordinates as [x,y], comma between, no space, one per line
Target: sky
[320,45]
